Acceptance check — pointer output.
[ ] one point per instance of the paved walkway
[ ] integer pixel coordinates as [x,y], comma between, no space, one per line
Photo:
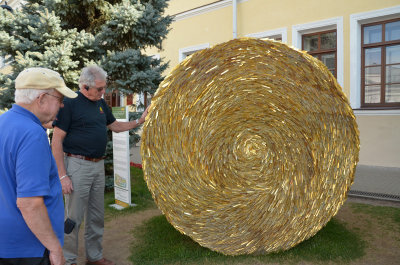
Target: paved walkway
[377,182]
[135,155]
[381,183]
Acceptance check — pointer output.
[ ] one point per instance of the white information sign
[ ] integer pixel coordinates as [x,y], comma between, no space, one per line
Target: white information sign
[121,158]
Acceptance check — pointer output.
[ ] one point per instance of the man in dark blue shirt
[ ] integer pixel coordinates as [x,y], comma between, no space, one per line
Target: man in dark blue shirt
[79,142]
[31,203]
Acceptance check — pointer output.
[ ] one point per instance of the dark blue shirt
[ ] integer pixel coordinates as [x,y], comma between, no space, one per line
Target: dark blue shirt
[27,169]
[85,122]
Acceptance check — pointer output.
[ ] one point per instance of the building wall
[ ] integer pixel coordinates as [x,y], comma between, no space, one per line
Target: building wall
[178,6]
[379,140]
[5,69]
[204,23]
[201,24]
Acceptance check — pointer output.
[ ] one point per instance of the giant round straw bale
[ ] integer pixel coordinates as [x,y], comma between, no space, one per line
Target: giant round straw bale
[249,147]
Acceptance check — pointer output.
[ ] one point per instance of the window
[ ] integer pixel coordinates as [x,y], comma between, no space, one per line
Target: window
[113,98]
[357,24]
[276,34]
[326,42]
[380,64]
[185,52]
[2,62]
[129,99]
[277,38]
[322,45]
[143,101]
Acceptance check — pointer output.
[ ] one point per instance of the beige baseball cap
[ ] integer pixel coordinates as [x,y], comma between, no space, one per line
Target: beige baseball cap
[43,78]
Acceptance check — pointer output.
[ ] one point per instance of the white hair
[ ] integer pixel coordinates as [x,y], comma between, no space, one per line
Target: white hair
[90,74]
[27,96]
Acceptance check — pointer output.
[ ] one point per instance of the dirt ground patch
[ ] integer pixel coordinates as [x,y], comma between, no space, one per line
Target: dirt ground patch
[118,236]
[383,242]
[382,237]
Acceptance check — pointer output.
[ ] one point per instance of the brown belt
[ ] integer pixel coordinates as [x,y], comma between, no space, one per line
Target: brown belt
[85,157]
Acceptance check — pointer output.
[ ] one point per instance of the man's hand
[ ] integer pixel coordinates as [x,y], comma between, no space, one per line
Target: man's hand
[35,214]
[121,126]
[57,257]
[66,185]
[144,114]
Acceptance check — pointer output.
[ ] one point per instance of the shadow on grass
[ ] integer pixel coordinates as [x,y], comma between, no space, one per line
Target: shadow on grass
[160,243]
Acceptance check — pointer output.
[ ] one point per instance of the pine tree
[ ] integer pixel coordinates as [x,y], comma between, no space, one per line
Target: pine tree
[122,30]
[33,37]
[66,35]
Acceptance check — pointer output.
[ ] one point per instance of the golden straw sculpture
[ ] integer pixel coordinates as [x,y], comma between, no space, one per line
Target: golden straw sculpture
[249,147]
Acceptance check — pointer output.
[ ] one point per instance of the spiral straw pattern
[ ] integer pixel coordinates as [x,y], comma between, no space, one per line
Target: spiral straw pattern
[249,147]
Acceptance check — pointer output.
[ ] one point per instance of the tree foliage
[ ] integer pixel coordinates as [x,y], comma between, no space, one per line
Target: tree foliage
[66,35]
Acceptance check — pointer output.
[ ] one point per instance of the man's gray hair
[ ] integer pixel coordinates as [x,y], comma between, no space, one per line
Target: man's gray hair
[90,74]
[28,95]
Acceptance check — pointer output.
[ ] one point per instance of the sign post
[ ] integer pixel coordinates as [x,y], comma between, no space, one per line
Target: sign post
[121,159]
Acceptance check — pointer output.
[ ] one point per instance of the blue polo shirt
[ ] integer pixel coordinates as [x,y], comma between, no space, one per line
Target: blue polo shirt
[85,122]
[27,169]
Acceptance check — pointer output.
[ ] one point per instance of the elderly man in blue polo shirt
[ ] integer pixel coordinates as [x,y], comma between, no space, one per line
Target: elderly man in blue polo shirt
[79,142]
[31,202]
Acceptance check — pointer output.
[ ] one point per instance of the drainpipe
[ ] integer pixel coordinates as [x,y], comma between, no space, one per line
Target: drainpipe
[234,26]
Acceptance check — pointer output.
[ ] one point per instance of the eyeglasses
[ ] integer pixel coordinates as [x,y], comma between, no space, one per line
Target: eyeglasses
[99,89]
[60,99]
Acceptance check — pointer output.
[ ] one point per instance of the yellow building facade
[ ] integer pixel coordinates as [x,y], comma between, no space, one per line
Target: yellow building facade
[355,27]
[364,55]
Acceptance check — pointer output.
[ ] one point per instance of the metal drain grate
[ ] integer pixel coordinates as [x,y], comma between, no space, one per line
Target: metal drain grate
[373,195]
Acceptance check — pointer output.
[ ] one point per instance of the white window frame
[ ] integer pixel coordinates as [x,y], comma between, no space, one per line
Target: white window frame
[356,21]
[334,23]
[184,52]
[272,34]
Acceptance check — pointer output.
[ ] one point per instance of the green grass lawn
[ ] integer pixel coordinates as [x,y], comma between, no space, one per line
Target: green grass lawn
[382,215]
[159,243]
[140,196]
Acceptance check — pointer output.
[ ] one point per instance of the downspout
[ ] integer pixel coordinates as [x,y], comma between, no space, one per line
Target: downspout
[234,23]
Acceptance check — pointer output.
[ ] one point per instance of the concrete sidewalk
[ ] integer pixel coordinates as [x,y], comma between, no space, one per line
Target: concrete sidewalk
[382,183]
[135,155]
[376,182]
